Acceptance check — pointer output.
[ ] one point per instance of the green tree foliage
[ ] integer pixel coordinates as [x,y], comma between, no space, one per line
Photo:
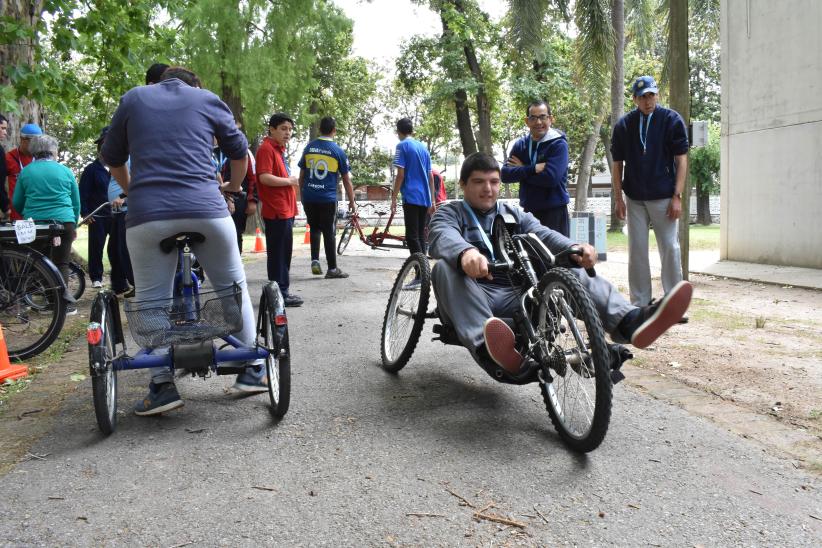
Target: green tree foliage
[703,163]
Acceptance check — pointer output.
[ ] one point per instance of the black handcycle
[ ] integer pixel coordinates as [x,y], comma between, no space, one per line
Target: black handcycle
[558,331]
[32,292]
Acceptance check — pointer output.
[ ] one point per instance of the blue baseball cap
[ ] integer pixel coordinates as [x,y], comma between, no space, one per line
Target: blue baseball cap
[643,85]
[30,130]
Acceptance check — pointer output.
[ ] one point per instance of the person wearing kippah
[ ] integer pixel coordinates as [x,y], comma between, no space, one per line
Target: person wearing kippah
[650,155]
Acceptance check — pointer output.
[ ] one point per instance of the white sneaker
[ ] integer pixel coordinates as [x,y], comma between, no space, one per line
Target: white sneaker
[97,283]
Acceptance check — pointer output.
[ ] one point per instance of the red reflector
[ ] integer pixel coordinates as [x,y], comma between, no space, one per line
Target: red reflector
[94,334]
[280,319]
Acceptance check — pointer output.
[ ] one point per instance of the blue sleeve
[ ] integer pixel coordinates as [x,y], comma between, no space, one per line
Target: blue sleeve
[618,142]
[516,174]
[114,190]
[230,139]
[86,182]
[678,135]
[115,147]
[556,166]
[301,163]
[399,157]
[345,167]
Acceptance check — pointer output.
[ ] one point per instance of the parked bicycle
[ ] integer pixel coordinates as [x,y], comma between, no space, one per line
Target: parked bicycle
[380,237]
[32,292]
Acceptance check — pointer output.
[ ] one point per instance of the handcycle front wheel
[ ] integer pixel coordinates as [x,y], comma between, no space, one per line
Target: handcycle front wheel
[32,308]
[275,339]
[405,313]
[345,237]
[579,397]
[102,351]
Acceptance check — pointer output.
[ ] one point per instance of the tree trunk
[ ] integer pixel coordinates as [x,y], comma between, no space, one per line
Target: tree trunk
[681,102]
[703,207]
[314,128]
[617,93]
[484,142]
[466,131]
[18,54]
[585,161]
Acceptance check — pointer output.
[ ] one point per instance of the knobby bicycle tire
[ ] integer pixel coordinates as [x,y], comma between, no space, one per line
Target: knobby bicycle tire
[395,358]
[101,363]
[278,362]
[597,348]
[32,308]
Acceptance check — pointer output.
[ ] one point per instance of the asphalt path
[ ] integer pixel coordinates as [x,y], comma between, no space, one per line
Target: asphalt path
[367,458]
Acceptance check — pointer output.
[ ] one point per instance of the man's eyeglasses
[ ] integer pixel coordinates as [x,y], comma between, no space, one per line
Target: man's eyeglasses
[541,118]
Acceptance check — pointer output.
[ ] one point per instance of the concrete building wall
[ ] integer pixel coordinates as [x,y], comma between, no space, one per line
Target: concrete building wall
[772,132]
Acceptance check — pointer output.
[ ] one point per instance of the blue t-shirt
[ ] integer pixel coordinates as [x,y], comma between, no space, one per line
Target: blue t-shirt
[413,157]
[324,162]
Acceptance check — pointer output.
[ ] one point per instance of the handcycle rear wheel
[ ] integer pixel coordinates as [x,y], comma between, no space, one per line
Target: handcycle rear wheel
[32,308]
[345,237]
[278,361]
[77,280]
[102,351]
[405,313]
[579,397]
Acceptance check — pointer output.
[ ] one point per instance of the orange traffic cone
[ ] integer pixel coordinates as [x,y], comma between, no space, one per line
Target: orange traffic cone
[259,246]
[7,370]
[307,237]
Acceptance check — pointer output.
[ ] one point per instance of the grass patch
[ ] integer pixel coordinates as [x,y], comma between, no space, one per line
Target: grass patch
[708,314]
[815,414]
[700,237]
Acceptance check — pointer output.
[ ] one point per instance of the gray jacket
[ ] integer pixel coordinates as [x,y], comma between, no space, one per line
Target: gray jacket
[452,231]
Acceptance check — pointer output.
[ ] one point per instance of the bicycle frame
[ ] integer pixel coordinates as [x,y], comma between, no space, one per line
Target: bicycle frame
[377,238]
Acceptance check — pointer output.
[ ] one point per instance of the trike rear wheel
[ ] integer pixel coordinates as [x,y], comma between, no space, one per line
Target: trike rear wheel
[405,313]
[102,351]
[578,398]
[278,362]
[77,280]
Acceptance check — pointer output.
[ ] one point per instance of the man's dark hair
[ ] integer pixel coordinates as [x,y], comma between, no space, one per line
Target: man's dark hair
[327,125]
[478,161]
[537,103]
[278,118]
[155,72]
[405,126]
[181,73]
[3,119]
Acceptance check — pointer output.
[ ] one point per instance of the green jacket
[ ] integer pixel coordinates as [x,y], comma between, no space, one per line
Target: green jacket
[47,191]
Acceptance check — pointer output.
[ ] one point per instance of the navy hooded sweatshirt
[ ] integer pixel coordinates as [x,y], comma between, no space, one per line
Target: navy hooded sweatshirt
[546,190]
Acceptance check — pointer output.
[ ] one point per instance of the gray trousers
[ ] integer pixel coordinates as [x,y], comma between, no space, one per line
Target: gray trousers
[641,214]
[218,255]
[465,304]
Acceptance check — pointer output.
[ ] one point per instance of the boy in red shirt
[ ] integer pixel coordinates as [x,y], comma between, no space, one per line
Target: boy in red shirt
[278,199]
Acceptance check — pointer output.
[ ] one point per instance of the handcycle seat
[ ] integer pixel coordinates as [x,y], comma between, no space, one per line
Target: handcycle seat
[171,243]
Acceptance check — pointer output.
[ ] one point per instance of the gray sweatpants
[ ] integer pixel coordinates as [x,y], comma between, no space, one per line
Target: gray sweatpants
[641,214]
[465,304]
[218,255]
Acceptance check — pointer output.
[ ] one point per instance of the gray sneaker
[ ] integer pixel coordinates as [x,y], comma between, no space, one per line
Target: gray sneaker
[335,273]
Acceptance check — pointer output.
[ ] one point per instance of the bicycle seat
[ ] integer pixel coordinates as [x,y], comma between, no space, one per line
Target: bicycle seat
[170,243]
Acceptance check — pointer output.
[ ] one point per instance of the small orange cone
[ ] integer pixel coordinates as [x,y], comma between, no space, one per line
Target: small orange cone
[259,246]
[7,370]
[307,237]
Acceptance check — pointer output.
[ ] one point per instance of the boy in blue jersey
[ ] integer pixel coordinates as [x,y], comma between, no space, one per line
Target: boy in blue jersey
[414,177]
[322,164]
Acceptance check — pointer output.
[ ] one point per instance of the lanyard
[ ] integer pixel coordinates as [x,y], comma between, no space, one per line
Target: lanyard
[533,155]
[285,163]
[485,239]
[643,139]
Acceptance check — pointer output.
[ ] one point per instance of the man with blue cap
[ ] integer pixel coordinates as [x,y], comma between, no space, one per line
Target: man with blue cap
[18,158]
[651,144]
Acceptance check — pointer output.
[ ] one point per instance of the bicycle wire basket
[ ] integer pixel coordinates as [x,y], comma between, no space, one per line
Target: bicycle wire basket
[205,316]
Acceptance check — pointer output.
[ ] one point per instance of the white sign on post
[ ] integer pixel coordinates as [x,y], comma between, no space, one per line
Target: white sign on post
[25,231]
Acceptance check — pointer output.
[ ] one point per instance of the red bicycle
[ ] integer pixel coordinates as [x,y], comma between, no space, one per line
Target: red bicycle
[380,237]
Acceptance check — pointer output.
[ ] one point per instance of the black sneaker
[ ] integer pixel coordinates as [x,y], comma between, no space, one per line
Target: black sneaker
[292,300]
[160,398]
[335,273]
[646,324]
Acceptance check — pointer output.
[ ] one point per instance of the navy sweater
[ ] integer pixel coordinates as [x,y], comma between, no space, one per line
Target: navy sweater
[649,176]
[546,190]
[168,130]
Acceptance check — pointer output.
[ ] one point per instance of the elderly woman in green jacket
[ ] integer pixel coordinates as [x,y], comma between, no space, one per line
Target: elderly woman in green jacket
[47,191]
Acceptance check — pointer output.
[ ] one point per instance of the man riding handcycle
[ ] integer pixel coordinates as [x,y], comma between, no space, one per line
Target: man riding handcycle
[497,266]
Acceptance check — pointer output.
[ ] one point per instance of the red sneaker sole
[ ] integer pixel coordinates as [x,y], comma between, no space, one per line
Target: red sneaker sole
[499,341]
